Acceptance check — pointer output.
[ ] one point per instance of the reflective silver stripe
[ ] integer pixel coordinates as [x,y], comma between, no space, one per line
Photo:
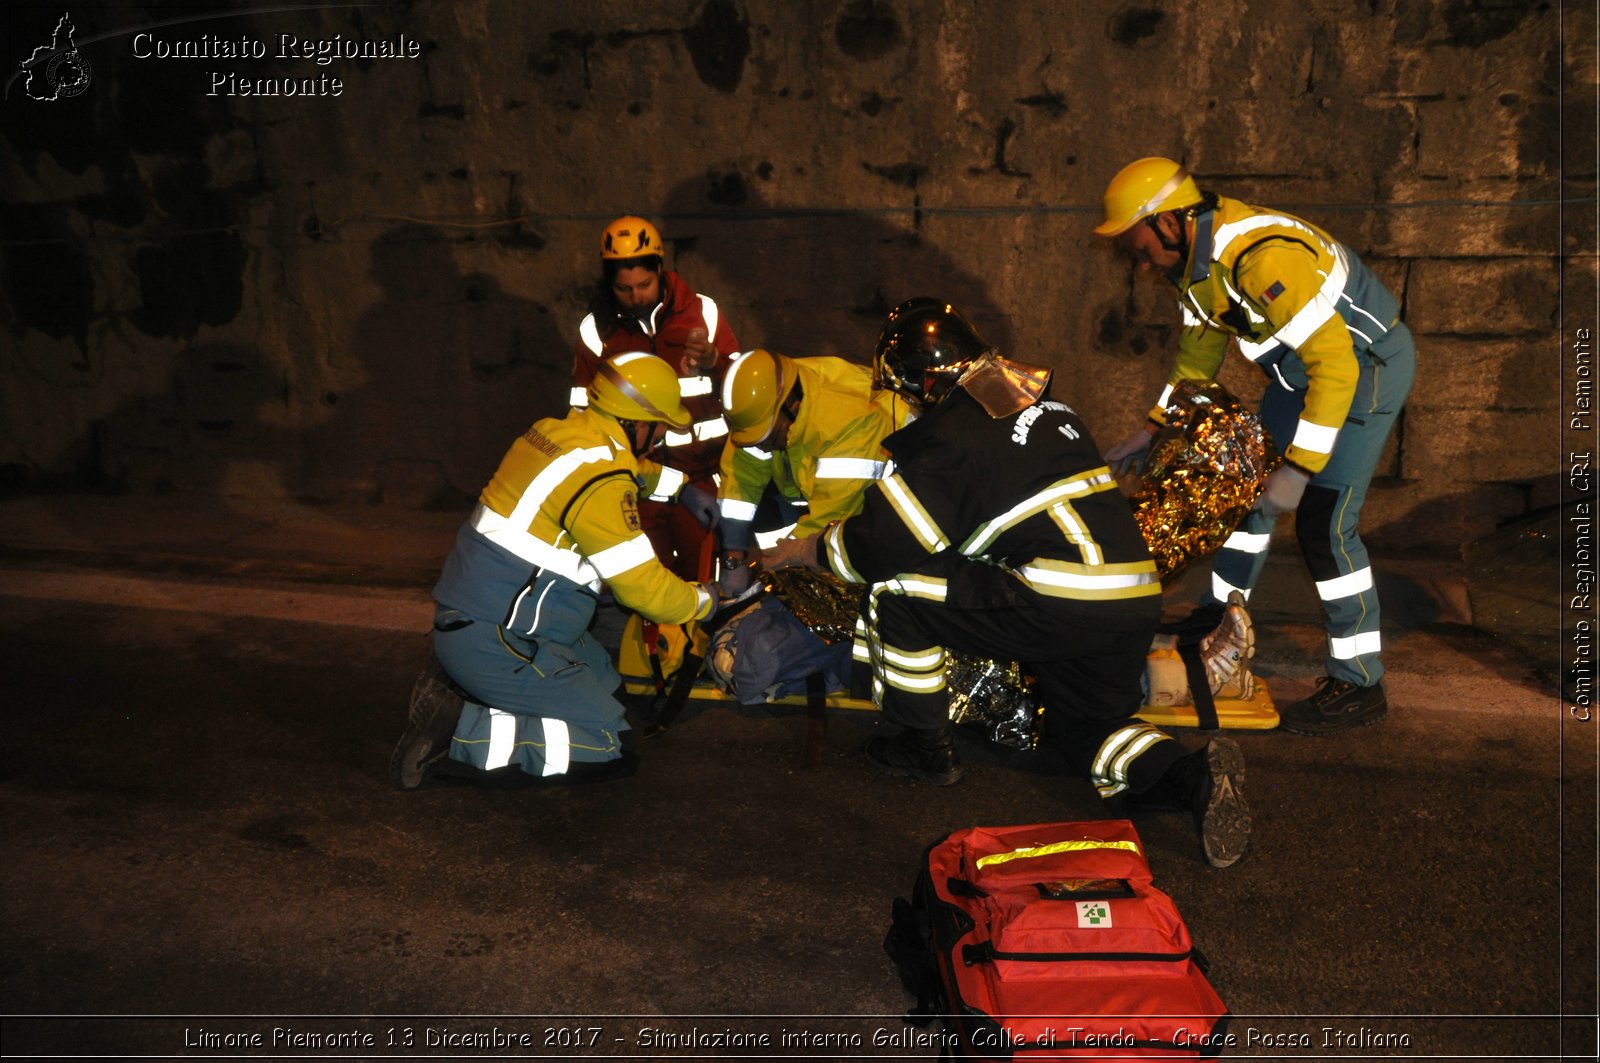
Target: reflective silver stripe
[498,530]
[988,532]
[1354,646]
[678,439]
[691,386]
[1364,313]
[757,453]
[502,739]
[579,397]
[668,485]
[736,509]
[1179,176]
[628,554]
[1257,351]
[1311,317]
[1317,438]
[557,746]
[538,606]
[714,428]
[915,518]
[1221,588]
[1226,234]
[1166,395]
[1083,581]
[1346,586]
[512,532]
[709,311]
[1189,318]
[849,469]
[1248,542]
[589,333]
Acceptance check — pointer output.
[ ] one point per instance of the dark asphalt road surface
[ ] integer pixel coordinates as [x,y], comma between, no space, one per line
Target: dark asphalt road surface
[202,850]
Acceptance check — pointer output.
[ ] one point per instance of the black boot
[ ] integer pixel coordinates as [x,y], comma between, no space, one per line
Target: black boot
[431,723]
[927,755]
[1335,706]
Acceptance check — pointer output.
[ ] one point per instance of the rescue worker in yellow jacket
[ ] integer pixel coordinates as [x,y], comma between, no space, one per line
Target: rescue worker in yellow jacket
[1339,364]
[813,429]
[519,588]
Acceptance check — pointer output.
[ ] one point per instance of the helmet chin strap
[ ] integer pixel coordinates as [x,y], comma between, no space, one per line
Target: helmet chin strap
[630,429]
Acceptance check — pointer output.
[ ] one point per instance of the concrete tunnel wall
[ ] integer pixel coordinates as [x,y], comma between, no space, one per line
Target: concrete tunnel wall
[362,298]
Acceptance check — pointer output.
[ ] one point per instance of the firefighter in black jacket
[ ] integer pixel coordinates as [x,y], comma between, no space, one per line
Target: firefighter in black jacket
[1000,532]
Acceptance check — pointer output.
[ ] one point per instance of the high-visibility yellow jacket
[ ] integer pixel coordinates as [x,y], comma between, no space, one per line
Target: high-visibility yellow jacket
[835,451]
[1303,307]
[559,517]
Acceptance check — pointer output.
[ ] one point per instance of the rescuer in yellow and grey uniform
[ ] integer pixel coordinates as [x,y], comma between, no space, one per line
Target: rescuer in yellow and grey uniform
[1339,363]
[520,586]
[813,429]
[1000,532]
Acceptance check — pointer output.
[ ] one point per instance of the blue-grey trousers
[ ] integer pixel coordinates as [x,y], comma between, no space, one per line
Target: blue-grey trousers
[1326,521]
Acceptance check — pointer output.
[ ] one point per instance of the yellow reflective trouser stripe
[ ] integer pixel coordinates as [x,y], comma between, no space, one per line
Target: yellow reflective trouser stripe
[1079,845]
[915,684]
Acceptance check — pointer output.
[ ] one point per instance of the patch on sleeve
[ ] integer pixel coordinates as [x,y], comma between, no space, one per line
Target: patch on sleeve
[630,510]
[1272,292]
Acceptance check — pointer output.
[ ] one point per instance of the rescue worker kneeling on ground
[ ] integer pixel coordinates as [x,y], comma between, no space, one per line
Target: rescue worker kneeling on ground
[811,428]
[1000,532]
[520,586]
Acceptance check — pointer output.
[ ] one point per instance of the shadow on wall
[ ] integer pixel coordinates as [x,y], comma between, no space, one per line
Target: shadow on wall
[812,283]
[444,370]
[441,373]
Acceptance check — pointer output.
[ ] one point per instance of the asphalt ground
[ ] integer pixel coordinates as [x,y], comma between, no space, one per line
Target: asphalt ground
[204,856]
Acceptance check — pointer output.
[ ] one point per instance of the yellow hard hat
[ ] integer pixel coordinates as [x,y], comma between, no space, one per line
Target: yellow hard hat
[630,237]
[753,392]
[1146,187]
[639,387]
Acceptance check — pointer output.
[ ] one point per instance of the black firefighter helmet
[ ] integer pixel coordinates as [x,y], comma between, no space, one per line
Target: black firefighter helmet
[924,347]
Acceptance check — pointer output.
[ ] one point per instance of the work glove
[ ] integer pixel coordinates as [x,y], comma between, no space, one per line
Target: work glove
[787,552]
[1283,491]
[1130,454]
[701,504]
[699,356]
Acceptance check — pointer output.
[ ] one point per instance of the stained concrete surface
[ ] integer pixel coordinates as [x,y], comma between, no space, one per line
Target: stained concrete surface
[201,843]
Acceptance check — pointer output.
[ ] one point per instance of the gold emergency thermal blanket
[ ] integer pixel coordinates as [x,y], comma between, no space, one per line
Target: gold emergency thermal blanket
[1205,470]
